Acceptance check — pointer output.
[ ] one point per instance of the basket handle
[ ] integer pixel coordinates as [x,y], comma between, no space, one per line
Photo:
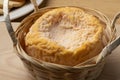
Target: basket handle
[8,22]
[110,47]
[7,19]
[116,42]
[35,5]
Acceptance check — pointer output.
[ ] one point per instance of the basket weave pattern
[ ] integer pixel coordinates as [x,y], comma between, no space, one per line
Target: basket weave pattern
[43,71]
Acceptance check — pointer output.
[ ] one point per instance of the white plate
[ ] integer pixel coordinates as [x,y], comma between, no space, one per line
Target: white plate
[19,12]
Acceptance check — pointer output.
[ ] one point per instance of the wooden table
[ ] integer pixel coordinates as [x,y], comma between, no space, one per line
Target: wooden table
[108,7]
[11,67]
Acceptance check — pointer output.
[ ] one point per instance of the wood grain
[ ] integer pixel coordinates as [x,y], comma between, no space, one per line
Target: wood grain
[12,68]
[108,7]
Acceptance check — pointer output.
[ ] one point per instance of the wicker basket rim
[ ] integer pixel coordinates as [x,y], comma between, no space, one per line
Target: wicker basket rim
[47,63]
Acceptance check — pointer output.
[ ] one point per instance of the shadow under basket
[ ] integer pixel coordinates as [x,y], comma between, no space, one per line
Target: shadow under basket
[88,70]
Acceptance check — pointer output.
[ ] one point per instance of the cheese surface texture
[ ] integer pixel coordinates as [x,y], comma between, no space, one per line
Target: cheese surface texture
[66,36]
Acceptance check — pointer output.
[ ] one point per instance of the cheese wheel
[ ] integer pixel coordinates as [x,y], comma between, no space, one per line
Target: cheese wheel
[66,36]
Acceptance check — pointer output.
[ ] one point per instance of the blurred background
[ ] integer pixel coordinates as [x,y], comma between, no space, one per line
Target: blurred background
[108,7]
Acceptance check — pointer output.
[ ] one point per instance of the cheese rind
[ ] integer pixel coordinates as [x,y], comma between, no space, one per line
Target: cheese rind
[66,36]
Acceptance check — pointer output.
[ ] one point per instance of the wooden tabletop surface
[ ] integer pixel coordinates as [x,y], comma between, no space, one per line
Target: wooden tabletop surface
[11,67]
[108,7]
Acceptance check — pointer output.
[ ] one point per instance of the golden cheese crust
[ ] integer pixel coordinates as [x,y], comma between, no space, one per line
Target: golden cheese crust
[66,36]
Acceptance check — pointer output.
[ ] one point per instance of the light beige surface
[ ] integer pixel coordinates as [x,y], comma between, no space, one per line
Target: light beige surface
[11,67]
[108,7]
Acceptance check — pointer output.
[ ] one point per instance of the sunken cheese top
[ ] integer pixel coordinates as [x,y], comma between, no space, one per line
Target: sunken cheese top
[64,32]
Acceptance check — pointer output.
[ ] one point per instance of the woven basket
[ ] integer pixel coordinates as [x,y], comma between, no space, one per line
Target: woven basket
[88,70]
